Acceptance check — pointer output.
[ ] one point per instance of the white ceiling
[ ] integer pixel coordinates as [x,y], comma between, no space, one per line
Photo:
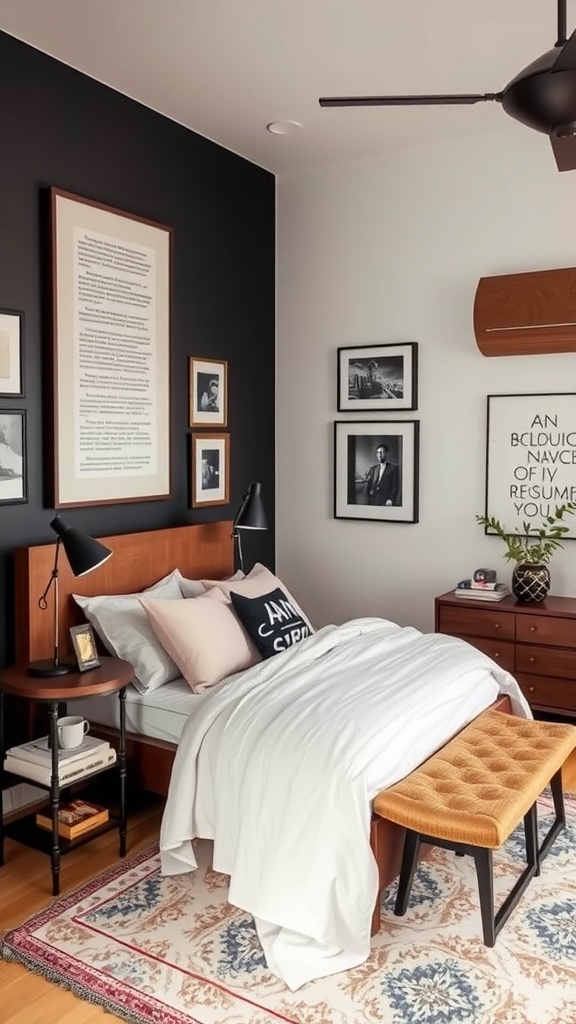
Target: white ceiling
[225,68]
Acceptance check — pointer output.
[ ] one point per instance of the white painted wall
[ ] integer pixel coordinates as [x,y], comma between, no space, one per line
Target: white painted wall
[391,250]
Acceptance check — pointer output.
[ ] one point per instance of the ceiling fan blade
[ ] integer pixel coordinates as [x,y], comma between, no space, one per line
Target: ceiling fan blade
[566,59]
[407,101]
[564,150]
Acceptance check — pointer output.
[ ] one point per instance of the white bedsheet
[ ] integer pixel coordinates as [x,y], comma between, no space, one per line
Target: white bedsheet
[279,766]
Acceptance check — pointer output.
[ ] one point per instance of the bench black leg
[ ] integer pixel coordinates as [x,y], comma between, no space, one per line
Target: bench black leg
[409,862]
[483,861]
[531,833]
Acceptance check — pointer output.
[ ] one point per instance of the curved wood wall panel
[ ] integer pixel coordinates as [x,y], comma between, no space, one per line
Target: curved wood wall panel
[526,314]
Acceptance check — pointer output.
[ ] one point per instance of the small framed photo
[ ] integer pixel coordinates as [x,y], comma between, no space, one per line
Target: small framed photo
[378,377]
[11,334]
[376,468]
[13,461]
[210,470]
[207,392]
[84,647]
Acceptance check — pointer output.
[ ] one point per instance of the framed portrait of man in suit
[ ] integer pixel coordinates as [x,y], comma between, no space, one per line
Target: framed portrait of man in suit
[376,466]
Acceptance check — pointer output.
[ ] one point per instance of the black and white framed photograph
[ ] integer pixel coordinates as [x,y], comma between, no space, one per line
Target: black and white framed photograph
[530,459]
[378,377]
[84,645]
[208,392]
[13,468]
[11,334]
[376,469]
[210,470]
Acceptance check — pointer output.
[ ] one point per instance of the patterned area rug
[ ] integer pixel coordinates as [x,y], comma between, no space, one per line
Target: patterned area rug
[172,950]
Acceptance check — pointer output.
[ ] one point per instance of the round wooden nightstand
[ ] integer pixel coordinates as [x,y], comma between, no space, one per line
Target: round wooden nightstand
[112,675]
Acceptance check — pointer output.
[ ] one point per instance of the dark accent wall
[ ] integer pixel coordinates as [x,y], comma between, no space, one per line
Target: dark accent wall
[64,129]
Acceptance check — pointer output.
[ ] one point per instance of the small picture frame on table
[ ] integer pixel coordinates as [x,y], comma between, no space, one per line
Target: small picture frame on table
[84,647]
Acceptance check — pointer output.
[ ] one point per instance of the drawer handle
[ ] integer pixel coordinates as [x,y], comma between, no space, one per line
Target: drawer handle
[496,625]
[531,689]
[531,660]
[496,654]
[532,629]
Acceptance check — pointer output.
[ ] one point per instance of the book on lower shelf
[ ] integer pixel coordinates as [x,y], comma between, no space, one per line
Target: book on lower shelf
[75,818]
[93,761]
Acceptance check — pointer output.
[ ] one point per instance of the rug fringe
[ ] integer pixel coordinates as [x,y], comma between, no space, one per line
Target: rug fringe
[8,954]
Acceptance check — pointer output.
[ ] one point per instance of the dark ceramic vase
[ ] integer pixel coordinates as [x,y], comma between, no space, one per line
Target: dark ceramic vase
[530,582]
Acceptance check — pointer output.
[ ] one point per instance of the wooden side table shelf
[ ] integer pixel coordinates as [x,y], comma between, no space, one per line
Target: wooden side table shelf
[535,642]
[113,675]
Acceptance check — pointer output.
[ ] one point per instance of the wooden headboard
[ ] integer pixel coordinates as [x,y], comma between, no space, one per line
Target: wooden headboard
[201,551]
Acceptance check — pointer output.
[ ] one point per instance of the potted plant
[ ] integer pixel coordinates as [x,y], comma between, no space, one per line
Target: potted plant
[531,549]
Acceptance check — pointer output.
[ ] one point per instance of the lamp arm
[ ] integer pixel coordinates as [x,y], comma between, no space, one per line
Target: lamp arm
[43,603]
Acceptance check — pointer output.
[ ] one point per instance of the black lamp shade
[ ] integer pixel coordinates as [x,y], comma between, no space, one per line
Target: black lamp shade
[251,515]
[83,552]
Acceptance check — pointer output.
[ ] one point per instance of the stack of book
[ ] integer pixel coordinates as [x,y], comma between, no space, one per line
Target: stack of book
[75,818]
[481,591]
[34,760]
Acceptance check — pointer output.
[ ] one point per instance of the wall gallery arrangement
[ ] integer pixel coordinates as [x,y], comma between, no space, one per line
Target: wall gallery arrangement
[376,463]
[111,337]
[376,466]
[530,458]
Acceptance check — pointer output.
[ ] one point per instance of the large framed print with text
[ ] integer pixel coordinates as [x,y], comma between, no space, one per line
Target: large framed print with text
[110,274]
[530,459]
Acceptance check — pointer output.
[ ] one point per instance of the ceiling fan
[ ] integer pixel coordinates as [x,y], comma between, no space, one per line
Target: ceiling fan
[542,96]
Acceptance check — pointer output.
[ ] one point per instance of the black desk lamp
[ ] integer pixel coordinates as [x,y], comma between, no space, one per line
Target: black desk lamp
[250,516]
[84,554]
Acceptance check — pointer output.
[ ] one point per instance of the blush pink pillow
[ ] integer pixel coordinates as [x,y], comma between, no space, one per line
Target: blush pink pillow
[203,637]
[258,582]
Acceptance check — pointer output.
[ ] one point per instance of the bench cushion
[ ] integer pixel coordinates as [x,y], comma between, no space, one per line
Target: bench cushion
[479,786]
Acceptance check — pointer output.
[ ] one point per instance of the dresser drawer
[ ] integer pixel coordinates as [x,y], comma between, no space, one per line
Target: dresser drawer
[549,661]
[476,622]
[546,692]
[546,629]
[501,651]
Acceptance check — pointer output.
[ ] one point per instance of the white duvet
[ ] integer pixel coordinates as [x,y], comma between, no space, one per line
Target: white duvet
[279,764]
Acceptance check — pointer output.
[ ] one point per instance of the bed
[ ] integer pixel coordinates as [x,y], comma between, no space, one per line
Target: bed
[180,725]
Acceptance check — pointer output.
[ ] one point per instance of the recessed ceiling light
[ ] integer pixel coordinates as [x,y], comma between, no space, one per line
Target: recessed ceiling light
[283,127]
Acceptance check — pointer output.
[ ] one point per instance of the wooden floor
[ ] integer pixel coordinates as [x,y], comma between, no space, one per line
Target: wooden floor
[25,888]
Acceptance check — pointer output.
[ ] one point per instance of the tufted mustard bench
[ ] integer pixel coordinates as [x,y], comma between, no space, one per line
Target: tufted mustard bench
[471,794]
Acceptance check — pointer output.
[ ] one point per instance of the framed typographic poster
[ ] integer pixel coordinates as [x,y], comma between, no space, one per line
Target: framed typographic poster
[110,274]
[530,459]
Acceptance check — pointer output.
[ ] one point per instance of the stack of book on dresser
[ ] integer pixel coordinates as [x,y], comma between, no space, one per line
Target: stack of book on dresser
[34,760]
[473,590]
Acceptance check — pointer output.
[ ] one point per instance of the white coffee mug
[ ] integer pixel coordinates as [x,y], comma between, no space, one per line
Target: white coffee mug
[71,731]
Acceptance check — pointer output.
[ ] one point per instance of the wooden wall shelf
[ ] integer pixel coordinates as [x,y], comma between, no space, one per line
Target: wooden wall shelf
[526,314]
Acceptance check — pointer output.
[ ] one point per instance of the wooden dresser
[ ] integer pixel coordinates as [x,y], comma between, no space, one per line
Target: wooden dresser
[535,642]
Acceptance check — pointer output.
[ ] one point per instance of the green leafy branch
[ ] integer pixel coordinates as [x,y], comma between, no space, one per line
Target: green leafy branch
[529,545]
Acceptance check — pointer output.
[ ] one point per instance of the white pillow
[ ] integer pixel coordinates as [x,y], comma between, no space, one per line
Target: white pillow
[195,588]
[203,636]
[122,624]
